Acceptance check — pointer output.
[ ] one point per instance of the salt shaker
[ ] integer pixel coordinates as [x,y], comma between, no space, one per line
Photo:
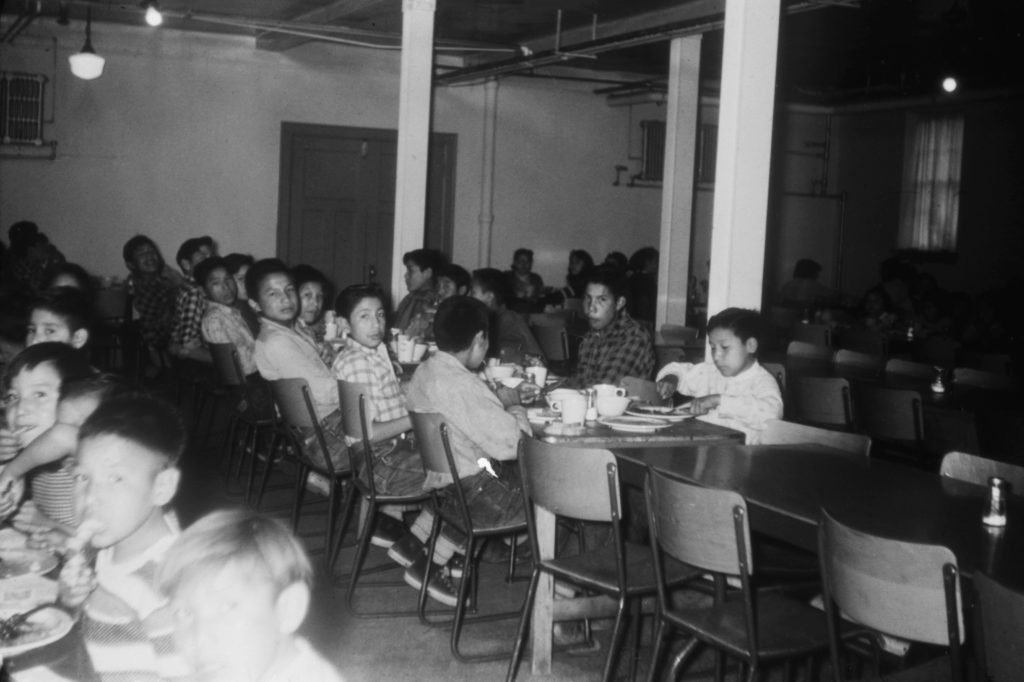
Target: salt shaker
[995,514]
[939,382]
[591,406]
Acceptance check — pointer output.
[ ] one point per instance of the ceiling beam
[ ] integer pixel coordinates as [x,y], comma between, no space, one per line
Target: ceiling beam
[328,14]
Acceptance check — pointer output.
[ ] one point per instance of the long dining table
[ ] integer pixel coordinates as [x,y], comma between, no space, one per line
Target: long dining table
[786,487]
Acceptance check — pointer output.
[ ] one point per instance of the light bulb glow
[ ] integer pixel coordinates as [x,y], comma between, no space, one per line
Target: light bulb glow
[153,16]
[949,84]
[87,65]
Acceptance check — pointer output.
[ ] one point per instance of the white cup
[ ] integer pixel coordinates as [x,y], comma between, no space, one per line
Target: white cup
[559,393]
[538,375]
[609,390]
[611,405]
[418,351]
[406,346]
[573,408]
[499,372]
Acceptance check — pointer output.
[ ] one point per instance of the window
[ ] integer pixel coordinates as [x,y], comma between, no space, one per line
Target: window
[930,206]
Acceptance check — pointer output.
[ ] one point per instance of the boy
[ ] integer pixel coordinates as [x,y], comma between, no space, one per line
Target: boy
[283,353]
[511,339]
[527,286]
[452,280]
[190,302]
[222,322]
[239,586]
[484,425]
[152,286]
[415,313]
[126,472]
[616,346]
[63,315]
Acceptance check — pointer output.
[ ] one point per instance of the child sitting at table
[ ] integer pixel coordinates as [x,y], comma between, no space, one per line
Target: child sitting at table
[63,315]
[32,386]
[732,389]
[511,338]
[313,288]
[126,472]
[239,585]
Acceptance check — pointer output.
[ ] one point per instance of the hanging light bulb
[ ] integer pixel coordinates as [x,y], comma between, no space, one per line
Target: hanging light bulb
[87,65]
[153,16]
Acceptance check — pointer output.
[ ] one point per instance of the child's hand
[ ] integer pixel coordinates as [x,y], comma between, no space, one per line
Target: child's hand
[10,445]
[77,581]
[704,404]
[11,490]
[527,391]
[667,386]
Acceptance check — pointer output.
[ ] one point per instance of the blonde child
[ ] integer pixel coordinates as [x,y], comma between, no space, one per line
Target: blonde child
[239,586]
[732,389]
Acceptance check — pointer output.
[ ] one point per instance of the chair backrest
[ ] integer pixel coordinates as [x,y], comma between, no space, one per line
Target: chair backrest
[976,469]
[227,364]
[907,368]
[703,527]
[889,413]
[939,351]
[978,378]
[679,332]
[581,483]
[948,430]
[552,340]
[436,455]
[859,361]
[822,400]
[293,401]
[903,589]
[1002,629]
[779,372]
[864,341]
[814,334]
[352,396]
[809,351]
[998,363]
[779,432]
[643,390]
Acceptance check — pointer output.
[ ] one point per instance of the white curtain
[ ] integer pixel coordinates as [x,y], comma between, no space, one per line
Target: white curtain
[930,206]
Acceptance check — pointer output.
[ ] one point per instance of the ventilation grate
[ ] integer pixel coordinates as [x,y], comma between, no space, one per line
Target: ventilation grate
[21,108]
[653,159]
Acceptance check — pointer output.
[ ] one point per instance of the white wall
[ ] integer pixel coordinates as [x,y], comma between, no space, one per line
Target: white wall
[181,137]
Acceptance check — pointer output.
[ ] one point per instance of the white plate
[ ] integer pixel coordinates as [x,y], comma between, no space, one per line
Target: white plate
[18,562]
[634,424]
[42,628]
[542,415]
[669,414]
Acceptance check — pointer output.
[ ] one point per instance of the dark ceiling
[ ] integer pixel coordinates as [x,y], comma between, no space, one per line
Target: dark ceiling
[832,51]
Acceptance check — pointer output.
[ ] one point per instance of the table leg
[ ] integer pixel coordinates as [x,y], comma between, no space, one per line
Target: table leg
[543,603]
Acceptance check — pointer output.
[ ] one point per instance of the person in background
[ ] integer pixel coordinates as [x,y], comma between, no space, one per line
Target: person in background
[526,286]
[239,264]
[222,323]
[415,314]
[510,337]
[70,275]
[580,265]
[152,286]
[876,310]
[63,315]
[239,587]
[312,288]
[453,280]
[804,290]
[642,301]
[617,261]
[190,302]
[616,346]
[733,389]
[31,254]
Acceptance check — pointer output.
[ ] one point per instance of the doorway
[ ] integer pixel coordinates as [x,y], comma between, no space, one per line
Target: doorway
[337,199]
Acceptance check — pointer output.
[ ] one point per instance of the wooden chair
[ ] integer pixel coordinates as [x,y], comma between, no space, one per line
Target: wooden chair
[436,453]
[298,417]
[860,362]
[779,432]
[948,430]
[643,390]
[1002,629]
[709,530]
[583,484]
[902,589]
[358,426]
[814,334]
[779,372]
[822,401]
[977,378]
[866,341]
[907,368]
[892,417]
[808,351]
[976,469]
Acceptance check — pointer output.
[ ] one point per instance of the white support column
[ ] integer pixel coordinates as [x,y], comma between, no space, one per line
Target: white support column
[678,184]
[413,135]
[744,154]
[486,219]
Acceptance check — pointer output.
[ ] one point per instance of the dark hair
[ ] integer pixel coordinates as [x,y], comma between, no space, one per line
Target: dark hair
[639,259]
[424,259]
[580,254]
[69,304]
[134,244]
[522,252]
[494,281]
[611,277]
[235,261]
[351,295]
[205,268]
[142,419]
[458,321]
[806,268]
[745,324]
[83,280]
[616,259]
[69,363]
[304,274]
[455,273]
[190,247]
[102,385]
[259,271]
[22,235]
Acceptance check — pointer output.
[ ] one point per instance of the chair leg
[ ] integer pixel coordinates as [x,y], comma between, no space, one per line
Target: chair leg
[618,632]
[660,635]
[300,490]
[637,632]
[230,446]
[251,443]
[683,657]
[275,442]
[524,624]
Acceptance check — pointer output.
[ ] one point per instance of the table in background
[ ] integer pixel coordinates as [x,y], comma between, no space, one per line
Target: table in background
[684,432]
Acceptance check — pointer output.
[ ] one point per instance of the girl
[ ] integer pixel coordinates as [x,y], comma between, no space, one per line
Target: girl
[733,389]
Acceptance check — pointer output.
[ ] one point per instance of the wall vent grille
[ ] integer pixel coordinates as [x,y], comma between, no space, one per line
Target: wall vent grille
[21,108]
[653,158]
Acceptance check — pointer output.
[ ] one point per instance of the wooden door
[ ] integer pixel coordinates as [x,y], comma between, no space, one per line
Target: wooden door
[337,198]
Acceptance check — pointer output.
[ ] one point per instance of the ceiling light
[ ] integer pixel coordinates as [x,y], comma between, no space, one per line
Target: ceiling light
[87,65]
[949,84]
[153,15]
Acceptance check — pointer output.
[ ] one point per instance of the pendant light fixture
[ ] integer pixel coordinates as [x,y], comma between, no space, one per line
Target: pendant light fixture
[153,16]
[87,65]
